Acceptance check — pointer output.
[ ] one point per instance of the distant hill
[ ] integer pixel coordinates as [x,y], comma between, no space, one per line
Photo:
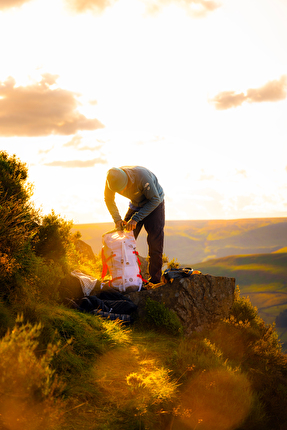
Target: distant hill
[197,241]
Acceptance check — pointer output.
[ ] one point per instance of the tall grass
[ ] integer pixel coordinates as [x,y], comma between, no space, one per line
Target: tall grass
[29,387]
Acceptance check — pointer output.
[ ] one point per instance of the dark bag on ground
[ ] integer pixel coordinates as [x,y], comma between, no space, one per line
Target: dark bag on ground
[182,272]
[108,304]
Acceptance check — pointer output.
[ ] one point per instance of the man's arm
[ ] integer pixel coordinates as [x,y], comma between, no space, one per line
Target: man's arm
[150,192]
[111,205]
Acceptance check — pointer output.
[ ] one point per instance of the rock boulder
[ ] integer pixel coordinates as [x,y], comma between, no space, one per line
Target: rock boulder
[199,301]
[85,249]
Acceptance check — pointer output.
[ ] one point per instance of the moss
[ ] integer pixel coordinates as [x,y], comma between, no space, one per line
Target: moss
[157,315]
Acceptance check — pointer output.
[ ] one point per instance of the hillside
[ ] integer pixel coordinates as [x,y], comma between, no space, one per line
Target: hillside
[63,369]
[190,241]
[262,277]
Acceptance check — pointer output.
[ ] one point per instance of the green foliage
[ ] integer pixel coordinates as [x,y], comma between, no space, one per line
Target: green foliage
[18,221]
[242,309]
[53,237]
[13,176]
[28,386]
[158,316]
[82,338]
[173,264]
[77,260]
[251,344]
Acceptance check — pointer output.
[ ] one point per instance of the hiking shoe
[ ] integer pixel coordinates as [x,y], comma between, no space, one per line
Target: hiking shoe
[151,286]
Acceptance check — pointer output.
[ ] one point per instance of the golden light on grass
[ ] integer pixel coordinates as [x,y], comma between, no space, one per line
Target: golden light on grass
[133,382]
[215,400]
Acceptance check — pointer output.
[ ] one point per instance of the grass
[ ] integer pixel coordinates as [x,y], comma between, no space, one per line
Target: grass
[133,378]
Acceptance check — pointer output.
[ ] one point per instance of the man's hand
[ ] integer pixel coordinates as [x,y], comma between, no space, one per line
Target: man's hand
[120,224]
[131,225]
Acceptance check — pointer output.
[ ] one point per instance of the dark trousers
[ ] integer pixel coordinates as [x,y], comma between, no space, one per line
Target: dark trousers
[154,226]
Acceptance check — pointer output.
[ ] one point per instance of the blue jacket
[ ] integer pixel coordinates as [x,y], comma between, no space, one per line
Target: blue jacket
[144,192]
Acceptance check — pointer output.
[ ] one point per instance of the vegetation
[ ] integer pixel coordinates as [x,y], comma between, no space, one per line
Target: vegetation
[62,369]
[159,316]
[262,277]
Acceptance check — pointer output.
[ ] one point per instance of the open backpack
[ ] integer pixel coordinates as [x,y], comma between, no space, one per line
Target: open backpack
[120,260]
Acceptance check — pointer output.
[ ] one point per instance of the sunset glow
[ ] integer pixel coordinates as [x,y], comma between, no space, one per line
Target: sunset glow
[195,90]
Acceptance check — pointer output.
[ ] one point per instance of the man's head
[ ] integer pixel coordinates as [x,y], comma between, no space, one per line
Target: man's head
[117,179]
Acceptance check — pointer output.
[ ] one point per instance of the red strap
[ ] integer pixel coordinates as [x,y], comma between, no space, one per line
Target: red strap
[140,276]
[105,266]
[139,263]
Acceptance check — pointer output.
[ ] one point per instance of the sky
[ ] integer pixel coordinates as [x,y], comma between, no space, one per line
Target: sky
[194,90]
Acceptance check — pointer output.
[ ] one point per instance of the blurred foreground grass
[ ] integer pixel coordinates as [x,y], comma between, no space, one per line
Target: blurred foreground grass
[98,374]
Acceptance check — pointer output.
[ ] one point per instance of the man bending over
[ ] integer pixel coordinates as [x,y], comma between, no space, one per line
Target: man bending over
[146,208]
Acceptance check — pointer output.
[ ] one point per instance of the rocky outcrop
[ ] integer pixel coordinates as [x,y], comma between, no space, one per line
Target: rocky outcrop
[85,249]
[199,301]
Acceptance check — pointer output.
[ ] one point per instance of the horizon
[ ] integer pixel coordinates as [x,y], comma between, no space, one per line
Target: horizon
[196,91]
[194,220]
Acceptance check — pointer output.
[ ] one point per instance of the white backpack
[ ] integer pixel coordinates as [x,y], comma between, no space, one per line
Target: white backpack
[120,258]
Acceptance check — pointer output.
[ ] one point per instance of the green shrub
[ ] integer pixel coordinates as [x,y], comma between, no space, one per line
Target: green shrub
[53,237]
[18,221]
[28,385]
[158,316]
[247,342]
[242,309]
[82,338]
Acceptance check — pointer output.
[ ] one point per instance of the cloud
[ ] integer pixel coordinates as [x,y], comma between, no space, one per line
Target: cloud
[84,5]
[228,99]
[273,91]
[76,141]
[197,7]
[6,4]
[241,172]
[205,177]
[45,151]
[77,163]
[39,110]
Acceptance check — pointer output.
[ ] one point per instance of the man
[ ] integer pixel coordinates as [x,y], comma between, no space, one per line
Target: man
[146,208]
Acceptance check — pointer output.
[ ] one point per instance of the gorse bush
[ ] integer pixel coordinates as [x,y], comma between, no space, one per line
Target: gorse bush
[29,388]
[18,220]
[53,237]
[253,345]
[36,251]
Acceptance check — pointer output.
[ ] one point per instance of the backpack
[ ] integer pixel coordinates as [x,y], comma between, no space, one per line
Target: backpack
[182,272]
[120,259]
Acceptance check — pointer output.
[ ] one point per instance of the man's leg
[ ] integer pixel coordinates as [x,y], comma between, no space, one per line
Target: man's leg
[154,225]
